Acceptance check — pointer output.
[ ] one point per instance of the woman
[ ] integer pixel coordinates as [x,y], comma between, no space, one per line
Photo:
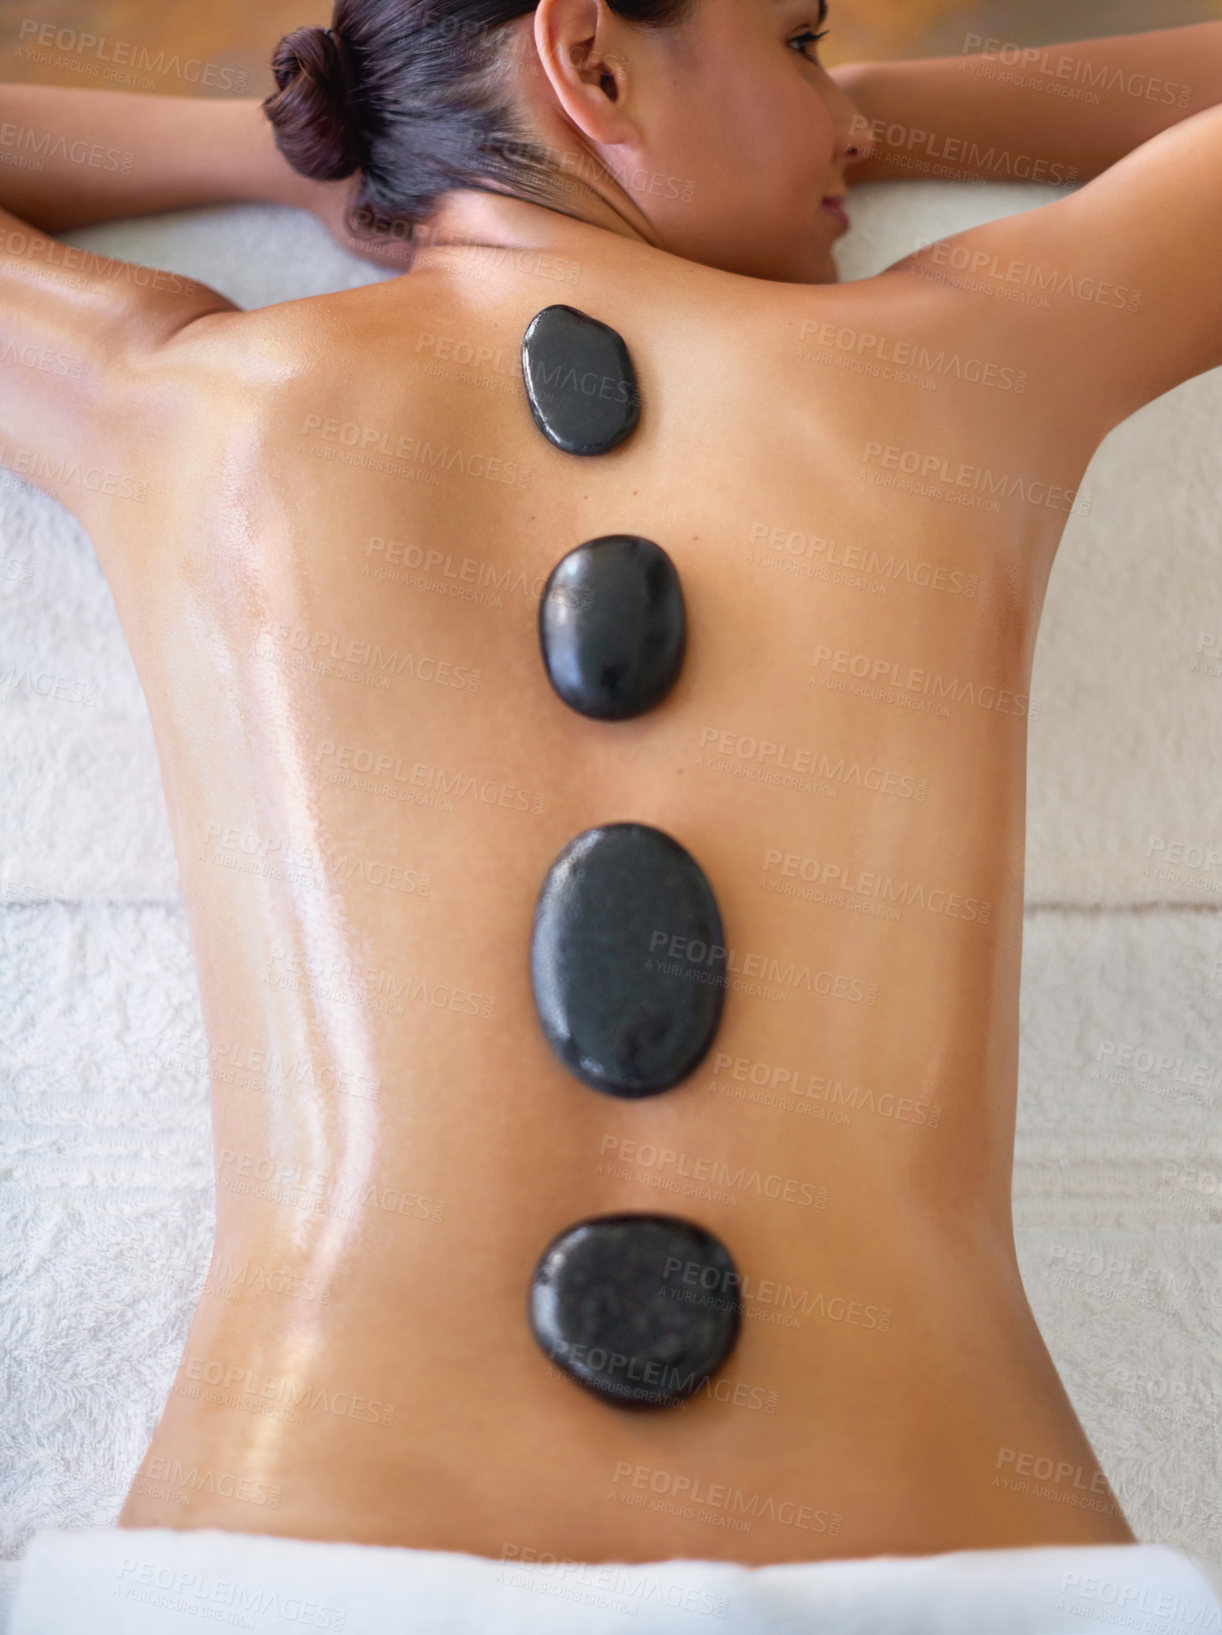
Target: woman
[331,594]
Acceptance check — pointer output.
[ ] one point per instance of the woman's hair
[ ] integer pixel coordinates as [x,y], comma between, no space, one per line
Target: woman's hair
[416,95]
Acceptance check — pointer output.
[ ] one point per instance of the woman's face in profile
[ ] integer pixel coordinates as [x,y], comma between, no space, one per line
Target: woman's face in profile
[743,137]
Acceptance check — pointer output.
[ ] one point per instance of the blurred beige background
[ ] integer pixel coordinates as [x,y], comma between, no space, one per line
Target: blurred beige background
[222,46]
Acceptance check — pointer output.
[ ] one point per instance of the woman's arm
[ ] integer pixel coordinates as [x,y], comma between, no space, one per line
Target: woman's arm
[71,158]
[1058,113]
[81,338]
[1111,293]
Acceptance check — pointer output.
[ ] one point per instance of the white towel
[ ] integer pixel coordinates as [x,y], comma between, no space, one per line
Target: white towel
[157,1582]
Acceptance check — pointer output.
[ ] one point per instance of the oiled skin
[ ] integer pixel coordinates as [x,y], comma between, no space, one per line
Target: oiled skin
[853,1433]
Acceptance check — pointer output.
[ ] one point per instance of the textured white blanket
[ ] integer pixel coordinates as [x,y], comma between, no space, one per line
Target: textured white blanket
[105,1185]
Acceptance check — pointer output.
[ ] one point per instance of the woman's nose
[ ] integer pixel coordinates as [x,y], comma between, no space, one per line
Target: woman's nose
[854,141]
[858,143]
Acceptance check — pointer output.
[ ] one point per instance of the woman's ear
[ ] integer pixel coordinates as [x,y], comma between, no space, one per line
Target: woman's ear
[580,46]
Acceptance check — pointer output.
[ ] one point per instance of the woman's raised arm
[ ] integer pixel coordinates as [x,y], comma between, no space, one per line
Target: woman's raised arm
[1057,113]
[81,336]
[70,158]
[1111,293]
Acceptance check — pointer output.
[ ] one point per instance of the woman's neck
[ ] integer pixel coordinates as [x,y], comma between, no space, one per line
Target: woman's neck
[466,217]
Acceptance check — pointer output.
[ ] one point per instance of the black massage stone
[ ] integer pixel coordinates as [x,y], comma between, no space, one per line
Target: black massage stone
[640,1309]
[580,383]
[628,959]
[613,627]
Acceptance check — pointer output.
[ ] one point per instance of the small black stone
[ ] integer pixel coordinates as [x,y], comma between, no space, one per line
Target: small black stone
[628,959]
[613,627]
[580,383]
[640,1309]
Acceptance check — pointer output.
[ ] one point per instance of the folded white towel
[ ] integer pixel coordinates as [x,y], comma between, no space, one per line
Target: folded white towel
[111,1581]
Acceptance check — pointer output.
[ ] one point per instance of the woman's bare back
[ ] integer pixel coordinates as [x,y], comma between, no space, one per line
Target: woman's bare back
[330,585]
[333,609]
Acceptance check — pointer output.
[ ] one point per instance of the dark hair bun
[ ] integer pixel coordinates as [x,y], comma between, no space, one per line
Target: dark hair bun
[312,113]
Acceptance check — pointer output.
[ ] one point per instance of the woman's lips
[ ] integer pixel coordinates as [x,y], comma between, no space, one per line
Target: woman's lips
[835,207]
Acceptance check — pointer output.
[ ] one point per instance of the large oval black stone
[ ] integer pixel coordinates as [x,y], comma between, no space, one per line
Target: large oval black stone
[580,383]
[628,959]
[640,1309]
[613,627]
